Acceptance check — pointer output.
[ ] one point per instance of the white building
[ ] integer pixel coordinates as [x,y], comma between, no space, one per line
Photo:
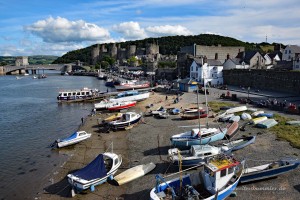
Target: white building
[235,63]
[207,71]
[296,63]
[290,52]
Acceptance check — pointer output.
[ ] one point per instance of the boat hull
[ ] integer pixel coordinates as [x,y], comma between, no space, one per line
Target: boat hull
[125,124]
[139,97]
[131,87]
[117,108]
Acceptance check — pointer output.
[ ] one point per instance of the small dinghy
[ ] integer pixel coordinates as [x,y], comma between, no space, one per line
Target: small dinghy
[246,116]
[104,166]
[175,111]
[225,118]
[254,114]
[232,129]
[236,109]
[238,143]
[72,139]
[163,115]
[258,120]
[269,170]
[234,118]
[268,115]
[294,123]
[132,174]
[267,123]
[158,110]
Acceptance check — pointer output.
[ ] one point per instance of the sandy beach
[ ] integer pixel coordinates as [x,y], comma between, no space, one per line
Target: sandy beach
[149,142]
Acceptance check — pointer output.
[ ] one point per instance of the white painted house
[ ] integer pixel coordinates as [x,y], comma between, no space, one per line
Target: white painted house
[296,63]
[290,52]
[207,71]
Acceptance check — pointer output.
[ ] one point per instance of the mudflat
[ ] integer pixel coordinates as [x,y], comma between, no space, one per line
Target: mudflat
[149,142]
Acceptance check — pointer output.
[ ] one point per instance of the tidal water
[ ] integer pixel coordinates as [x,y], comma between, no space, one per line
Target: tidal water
[30,120]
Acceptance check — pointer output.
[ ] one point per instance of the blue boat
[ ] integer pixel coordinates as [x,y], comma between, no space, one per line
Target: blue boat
[104,166]
[194,137]
[268,115]
[175,111]
[216,180]
[269,170]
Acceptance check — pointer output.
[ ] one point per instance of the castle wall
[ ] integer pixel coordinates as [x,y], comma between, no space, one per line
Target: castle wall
[152,49]
[283,81]
[131,51]
[95,54]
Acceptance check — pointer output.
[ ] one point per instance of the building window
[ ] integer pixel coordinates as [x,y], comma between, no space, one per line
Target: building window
[285,51]
[289,51]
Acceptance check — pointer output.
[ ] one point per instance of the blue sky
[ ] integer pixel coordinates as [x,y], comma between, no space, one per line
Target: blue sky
[37,27]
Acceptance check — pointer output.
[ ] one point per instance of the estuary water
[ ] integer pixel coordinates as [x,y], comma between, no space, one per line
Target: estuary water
[30,120]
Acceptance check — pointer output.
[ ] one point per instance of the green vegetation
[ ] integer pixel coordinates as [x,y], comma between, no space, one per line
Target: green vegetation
[166,64]
[216,105]
[169,45]
[286,132]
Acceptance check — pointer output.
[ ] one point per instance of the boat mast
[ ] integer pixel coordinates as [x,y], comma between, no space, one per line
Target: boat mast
[198,111]
[206,104]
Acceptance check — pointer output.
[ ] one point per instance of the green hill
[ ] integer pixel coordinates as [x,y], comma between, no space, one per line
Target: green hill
[167,45]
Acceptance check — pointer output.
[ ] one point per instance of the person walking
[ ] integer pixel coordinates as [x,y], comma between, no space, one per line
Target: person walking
[81,120]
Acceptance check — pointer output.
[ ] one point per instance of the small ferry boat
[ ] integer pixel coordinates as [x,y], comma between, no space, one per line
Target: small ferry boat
[133,84]
[69,95]
[131,95]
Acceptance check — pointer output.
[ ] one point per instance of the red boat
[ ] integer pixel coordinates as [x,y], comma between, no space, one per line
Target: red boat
[130,85]
[122,105]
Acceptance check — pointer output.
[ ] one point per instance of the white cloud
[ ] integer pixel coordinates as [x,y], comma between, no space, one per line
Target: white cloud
[62,30]
[130,30]
[168,30]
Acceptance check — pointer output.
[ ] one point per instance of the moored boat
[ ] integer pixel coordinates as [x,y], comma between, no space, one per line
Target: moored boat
[216,180]
[128,119]
[232,129]
[268,115]
[246,116]
[109,82]
[238,143]
[268,170]
[121,105]
[129,85]
[104,104]
[258,120]
[294,123]
[104,166]
[132,95]
[71,95]
[234,118]
[268,123]
[72,139]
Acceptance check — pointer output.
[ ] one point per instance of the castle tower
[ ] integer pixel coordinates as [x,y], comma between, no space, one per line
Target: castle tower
[114,51]
[95,54]
[152,49]
[131,51]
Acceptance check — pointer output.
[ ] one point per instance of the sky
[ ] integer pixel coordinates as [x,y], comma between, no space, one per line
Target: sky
[54,27]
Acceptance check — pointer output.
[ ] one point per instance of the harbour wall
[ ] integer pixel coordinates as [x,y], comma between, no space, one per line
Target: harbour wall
[282,81]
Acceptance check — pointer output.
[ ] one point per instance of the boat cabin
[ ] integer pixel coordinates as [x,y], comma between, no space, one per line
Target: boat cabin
[204,151]
[75,94]
[219,171]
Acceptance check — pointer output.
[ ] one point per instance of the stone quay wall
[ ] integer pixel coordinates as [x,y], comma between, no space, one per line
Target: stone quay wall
[282,81]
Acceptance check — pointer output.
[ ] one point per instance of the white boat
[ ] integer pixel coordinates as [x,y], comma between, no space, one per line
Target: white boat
[128,119]
[103,167]
[104,104]
[234,118]
[85,93]
[163,115]
[132,95]
[73,139]
[256,113]
[158,110]
[217,179]
[133,84]
[225,118]
[236,109]
[34,77]
[132,174]
[246,116]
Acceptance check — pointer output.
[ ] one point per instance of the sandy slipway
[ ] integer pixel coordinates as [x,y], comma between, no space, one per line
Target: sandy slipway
[149,142]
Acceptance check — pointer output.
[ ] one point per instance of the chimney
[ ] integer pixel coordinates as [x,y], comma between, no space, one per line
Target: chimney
[228,56]
[216,56]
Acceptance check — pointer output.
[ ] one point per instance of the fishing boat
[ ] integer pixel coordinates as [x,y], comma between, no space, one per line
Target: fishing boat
[72,139]
[232,129]
[128,119]
[246,116]
[196,137]
[104,104]
[77,94]
[217,179]
[133,84]
[121,105]
[269,170]
[132,95]
[103,167]
[268,123]
[198,153]
[258,120]
[132,174]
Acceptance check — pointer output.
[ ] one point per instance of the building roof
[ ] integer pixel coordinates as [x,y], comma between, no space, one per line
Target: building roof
[198,61]
[236,61]
[294,48]
[213,62]
[246,56]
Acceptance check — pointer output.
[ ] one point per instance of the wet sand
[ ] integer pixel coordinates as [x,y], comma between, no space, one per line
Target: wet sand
[149,142]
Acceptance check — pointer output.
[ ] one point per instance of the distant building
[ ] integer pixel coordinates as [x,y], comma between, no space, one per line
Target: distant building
[290,52]
[235,63]
[21,61]
[296,63]
[254,59]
